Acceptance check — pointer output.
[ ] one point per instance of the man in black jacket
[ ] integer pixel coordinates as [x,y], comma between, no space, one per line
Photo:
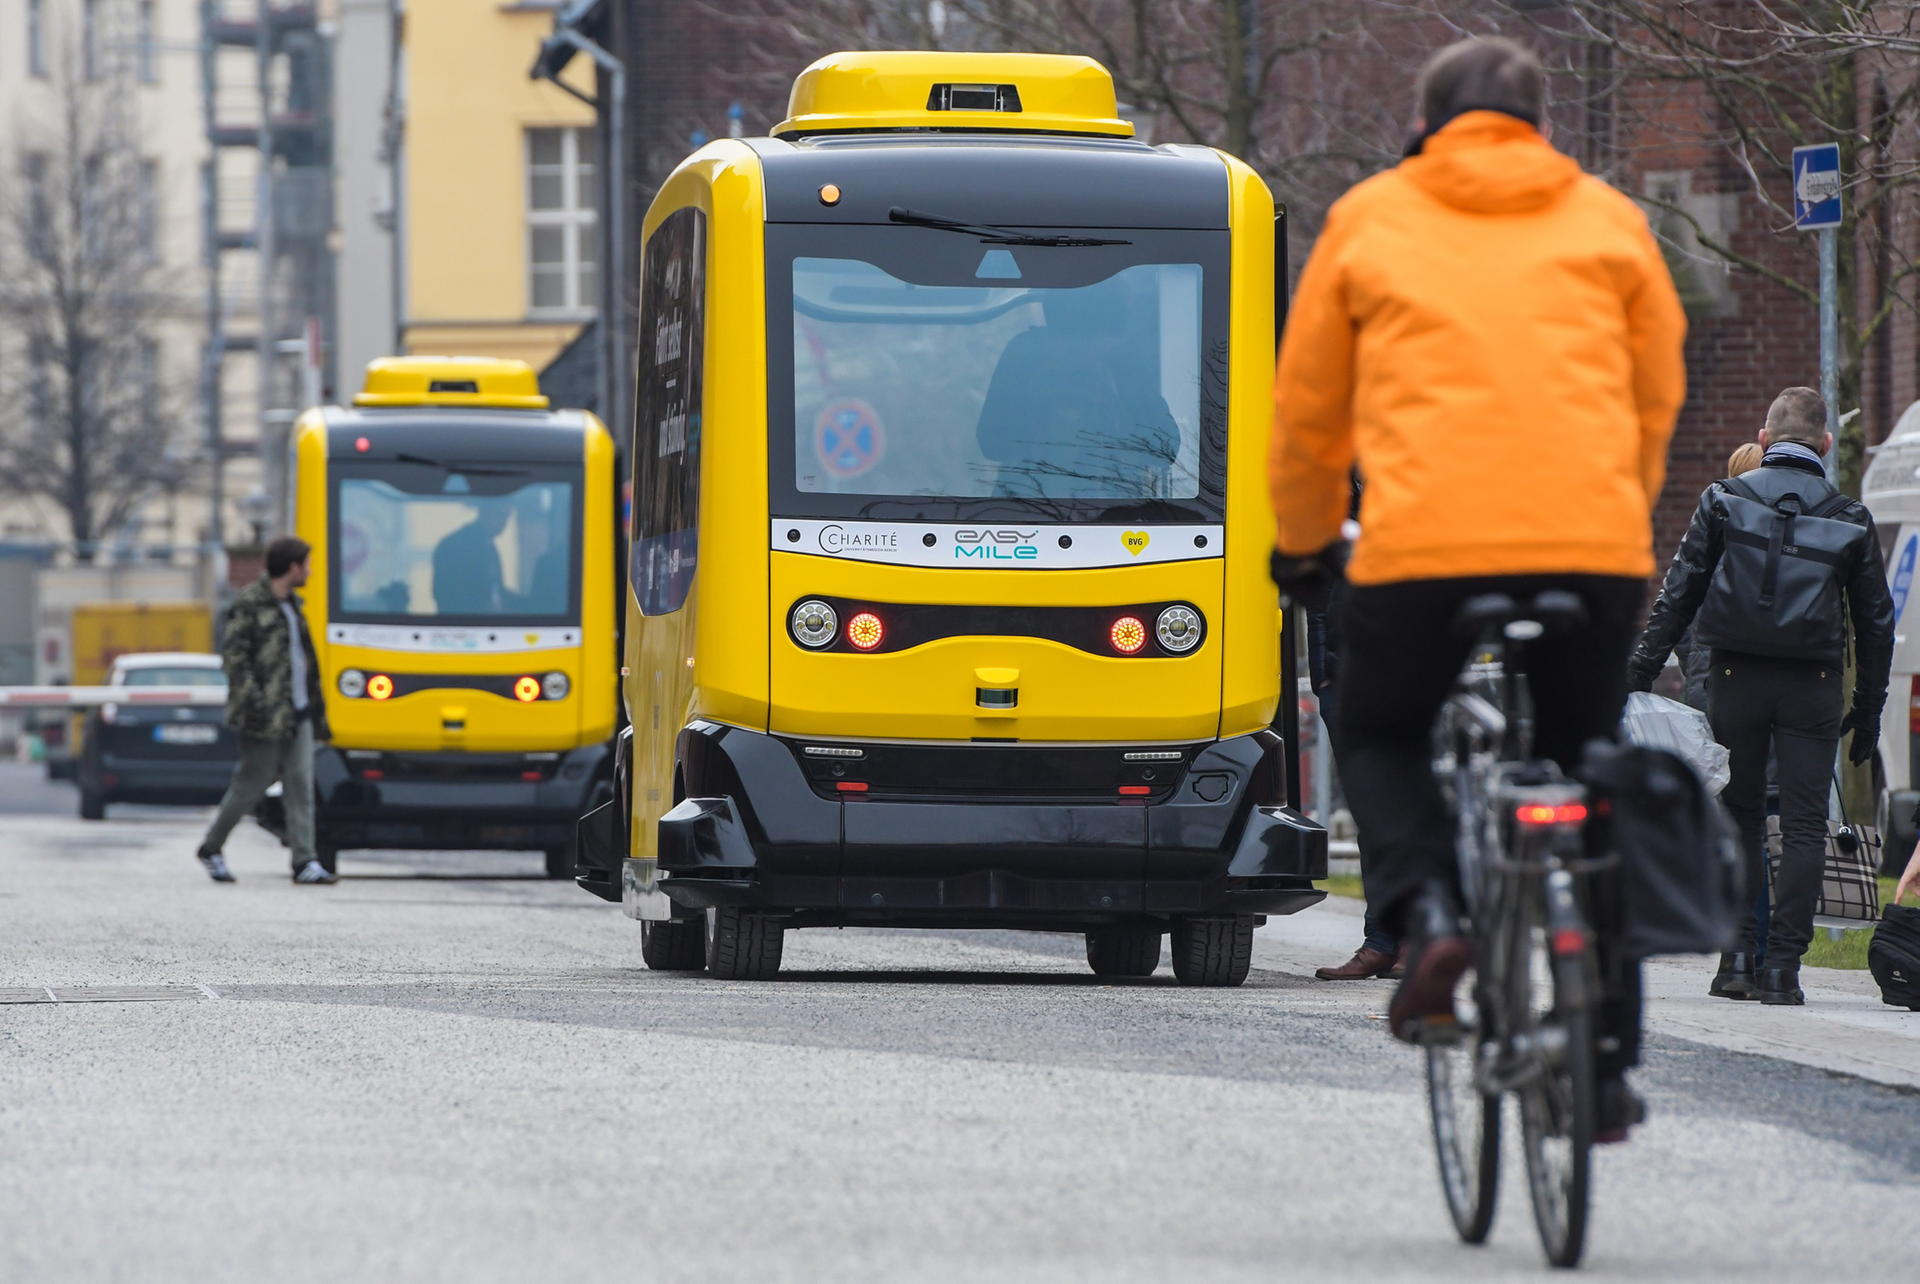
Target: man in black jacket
[1772,568]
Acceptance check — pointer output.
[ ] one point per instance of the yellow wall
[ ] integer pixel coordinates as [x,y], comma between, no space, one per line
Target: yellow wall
[469,103]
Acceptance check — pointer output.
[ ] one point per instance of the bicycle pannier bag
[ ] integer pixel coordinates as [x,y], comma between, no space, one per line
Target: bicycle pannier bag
[1778,587]
[1680,871]
[1894,956]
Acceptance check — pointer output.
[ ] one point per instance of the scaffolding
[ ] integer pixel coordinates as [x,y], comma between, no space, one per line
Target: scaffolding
[266,88]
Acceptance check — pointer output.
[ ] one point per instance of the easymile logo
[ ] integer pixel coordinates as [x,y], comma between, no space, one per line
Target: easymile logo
[838,539]
[995,545]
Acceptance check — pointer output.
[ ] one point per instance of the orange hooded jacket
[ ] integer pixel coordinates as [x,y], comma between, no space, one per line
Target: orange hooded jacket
[1493,337]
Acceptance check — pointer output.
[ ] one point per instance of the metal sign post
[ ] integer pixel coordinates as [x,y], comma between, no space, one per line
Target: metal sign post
[1817,208]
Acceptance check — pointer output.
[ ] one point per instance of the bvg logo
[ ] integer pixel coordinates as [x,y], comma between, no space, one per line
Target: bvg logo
[995,546]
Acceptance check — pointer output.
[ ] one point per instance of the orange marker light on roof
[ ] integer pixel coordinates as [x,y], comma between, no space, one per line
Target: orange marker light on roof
[526,690]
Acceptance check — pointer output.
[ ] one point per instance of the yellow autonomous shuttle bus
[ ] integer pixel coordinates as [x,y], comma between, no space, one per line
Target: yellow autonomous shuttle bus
[948,599]
[462,602]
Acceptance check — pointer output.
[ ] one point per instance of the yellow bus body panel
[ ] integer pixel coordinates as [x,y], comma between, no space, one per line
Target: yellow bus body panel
[719,671]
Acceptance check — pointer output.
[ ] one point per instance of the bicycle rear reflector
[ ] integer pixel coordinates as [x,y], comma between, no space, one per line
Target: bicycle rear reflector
[1541,815]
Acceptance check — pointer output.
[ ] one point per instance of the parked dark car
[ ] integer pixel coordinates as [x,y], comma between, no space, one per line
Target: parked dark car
[156,753]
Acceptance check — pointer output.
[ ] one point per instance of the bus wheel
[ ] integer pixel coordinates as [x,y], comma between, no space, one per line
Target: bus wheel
[93,806]
[674,946]
[560,862]
[743,945]
[1213,951]
[1124,949]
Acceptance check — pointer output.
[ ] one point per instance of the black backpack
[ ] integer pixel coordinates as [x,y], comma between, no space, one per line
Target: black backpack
[1778,587]
[1894,956]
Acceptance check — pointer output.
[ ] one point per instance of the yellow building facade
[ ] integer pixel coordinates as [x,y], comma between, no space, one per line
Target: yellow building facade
[499,191]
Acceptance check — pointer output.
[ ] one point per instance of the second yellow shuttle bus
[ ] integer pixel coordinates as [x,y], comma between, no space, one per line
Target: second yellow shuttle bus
[947,600]
[462,602]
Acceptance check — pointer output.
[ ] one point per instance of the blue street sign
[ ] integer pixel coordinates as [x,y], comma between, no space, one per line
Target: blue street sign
[1816,186]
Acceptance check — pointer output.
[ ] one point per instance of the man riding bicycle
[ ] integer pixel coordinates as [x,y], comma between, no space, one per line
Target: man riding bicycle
[1492,336]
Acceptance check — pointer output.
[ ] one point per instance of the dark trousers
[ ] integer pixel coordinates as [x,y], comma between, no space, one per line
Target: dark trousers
[1399,662]
[1793,709]
[1373,929]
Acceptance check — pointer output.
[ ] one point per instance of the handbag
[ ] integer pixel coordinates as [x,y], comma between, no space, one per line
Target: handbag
[1849,876]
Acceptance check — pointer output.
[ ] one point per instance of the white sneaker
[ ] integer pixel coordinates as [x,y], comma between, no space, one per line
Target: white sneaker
[216,866]
[314,872]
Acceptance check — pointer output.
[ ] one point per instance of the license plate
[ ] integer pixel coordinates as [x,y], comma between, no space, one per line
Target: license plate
[185,733]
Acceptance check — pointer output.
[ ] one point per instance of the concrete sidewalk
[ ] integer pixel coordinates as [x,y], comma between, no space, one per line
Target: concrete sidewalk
[1844,1029]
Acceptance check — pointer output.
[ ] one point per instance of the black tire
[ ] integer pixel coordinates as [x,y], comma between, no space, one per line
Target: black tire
[1124,949]
[674,946]
[560,861]
[93,805]
[1466,1131]
[1213,951]
[743,945]
[1557,1104]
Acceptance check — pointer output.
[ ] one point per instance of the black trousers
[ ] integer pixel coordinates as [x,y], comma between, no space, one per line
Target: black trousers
[1399,662]
[1791,708]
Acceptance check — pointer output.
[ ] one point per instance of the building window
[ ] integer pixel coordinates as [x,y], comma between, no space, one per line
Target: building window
[147,209]
[90,39]
[562,252]
[147,47]
[36,37]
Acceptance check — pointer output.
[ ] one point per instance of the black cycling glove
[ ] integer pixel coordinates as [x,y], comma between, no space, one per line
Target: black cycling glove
[1308,581]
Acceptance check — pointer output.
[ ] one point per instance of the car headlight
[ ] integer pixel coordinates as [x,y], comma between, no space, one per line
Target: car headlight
[352,683]
[555,686]
[1178,629]
[814,623]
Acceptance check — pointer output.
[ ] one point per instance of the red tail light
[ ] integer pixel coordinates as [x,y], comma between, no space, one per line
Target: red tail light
[526,690]
[372,773]
[1132,791]
[379,687]
[530,776]
[865,632]
[851,786]
[1551,813]
[1128,634]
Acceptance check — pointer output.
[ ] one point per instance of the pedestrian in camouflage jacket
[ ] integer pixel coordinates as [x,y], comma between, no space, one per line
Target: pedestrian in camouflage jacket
[277,704]
[254,652]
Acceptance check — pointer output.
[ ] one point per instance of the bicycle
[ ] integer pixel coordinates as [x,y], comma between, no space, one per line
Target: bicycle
[1524,1014]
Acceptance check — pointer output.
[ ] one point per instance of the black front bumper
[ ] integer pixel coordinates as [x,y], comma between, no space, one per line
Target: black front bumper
[763,826]
[454,802]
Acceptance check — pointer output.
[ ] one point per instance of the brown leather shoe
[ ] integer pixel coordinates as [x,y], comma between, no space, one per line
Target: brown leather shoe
[1365,964]
[1399,971]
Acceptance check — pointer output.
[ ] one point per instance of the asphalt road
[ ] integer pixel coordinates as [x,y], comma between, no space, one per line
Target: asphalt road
[448,1068]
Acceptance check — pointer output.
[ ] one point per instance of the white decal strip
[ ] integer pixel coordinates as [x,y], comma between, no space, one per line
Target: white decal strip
[500,640]
[1008,545]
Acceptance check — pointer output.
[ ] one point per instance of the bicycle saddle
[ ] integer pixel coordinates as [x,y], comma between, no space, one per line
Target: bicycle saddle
[1555,611]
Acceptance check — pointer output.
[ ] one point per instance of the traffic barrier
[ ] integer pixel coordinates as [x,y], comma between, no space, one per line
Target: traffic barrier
[94,697]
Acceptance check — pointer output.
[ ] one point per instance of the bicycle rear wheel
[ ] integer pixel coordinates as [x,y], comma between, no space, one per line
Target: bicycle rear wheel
[1557,1098]
[1466,1124]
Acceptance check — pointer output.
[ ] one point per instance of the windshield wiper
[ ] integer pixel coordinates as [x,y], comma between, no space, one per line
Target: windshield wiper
[471,470]
[990,234]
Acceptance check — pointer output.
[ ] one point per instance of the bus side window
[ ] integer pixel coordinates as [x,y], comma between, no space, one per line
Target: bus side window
[666,414]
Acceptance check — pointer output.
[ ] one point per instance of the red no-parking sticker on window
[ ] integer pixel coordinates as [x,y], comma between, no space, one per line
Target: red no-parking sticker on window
[848,437]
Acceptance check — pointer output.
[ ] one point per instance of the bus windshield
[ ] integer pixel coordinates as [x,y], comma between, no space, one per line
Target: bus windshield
[937,376]
[457,542]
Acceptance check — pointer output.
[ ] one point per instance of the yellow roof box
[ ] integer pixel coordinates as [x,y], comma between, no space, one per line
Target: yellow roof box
[451,381]
[1011,92]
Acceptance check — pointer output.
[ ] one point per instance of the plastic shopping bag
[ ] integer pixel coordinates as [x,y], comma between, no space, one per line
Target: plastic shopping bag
[1655,722]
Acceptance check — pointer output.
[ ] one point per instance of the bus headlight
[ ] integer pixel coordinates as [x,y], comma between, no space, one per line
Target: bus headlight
[814,623]
[352,683]
[555,686]
[1178,629]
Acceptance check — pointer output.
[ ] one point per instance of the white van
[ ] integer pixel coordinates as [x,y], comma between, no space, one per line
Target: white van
[1891,490]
